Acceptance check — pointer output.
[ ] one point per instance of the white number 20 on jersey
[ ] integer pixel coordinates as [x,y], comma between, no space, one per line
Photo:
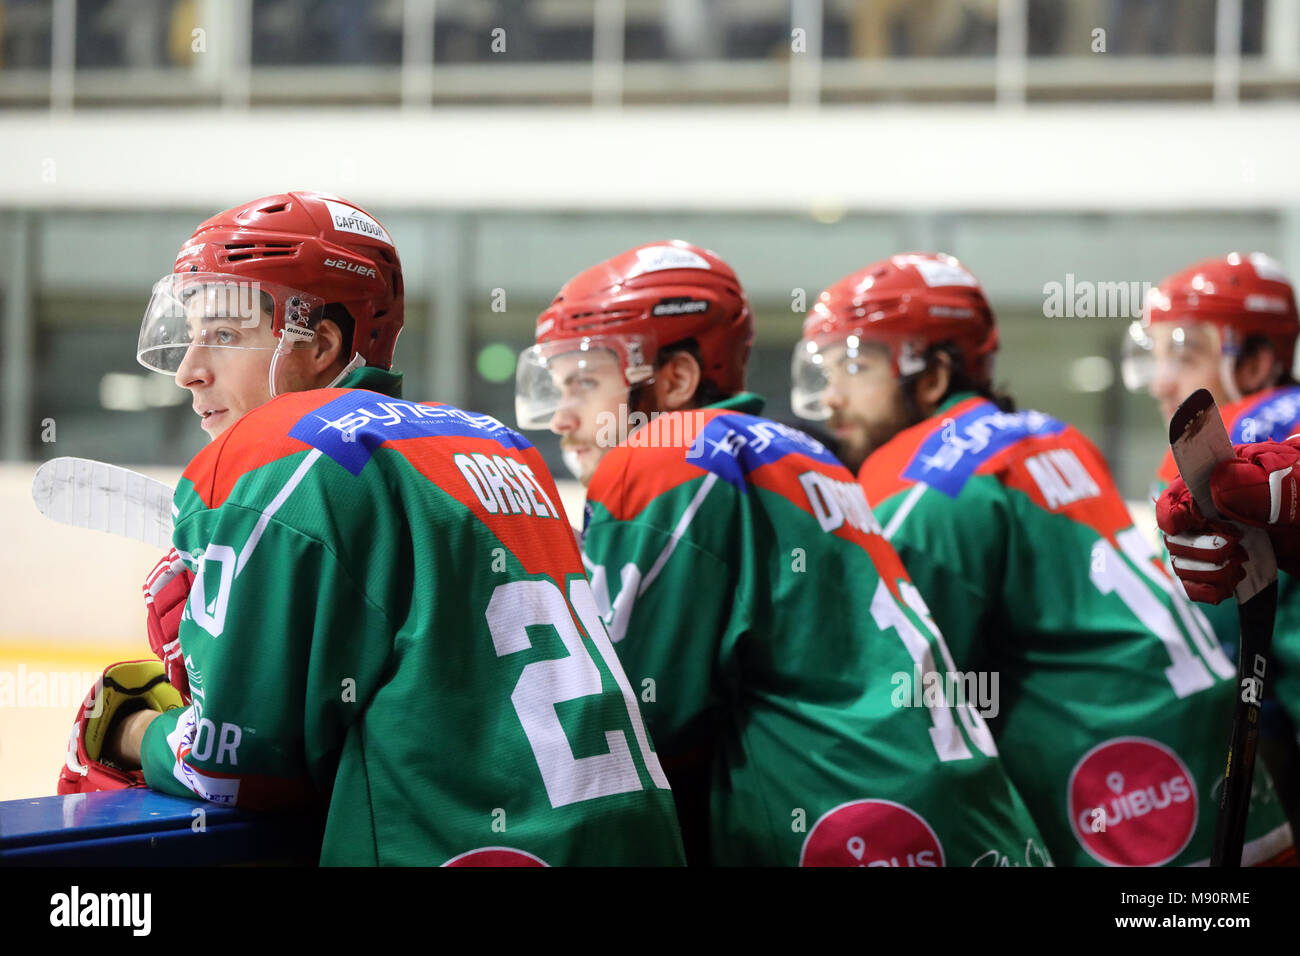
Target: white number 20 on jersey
[514,607]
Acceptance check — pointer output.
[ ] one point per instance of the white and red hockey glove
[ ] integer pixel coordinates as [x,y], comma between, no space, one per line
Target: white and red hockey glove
[166,590]
[1260,487]
[123,689]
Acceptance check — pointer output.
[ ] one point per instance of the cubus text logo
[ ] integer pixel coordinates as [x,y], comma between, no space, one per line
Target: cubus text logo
[871,833]
[496,856]
[1147,794]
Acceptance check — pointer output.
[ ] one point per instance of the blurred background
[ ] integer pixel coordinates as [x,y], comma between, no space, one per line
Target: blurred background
[1055,146]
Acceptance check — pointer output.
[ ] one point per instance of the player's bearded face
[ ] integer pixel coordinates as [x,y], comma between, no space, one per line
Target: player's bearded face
[865,401]
[593,394]
[226,383]
[1186,357]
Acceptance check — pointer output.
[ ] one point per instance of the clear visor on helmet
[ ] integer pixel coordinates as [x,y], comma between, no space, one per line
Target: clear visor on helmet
[1163,350]
[223,314]
[570,374]
[836,361]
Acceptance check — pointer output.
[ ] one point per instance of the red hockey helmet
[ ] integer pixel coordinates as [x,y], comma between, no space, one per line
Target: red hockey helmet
[1240,295]
[300,251]
[633,305]
[907,303]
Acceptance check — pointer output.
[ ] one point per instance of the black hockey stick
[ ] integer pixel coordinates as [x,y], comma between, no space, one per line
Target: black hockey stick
[1199,442]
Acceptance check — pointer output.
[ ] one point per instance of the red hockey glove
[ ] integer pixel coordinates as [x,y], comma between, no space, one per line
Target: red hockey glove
[124,688]
[1207,556]
[1261,487]
[166,590]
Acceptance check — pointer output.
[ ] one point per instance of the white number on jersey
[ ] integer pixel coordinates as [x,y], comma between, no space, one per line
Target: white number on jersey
[514,607]
[947,739]
[1186,673]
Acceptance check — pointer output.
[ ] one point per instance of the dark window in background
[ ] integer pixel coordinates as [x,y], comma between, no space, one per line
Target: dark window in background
[465,33]
[326,32]
[26,37]
[72,356]
[123,33]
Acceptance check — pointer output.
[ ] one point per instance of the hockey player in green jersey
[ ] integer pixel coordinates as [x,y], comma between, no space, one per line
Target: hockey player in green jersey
[389,615]
[1115,698]
[1229,324]
[756,608]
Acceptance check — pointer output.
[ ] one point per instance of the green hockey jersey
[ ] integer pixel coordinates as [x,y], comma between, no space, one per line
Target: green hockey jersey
[765,624]
[1114,697]
[390,618]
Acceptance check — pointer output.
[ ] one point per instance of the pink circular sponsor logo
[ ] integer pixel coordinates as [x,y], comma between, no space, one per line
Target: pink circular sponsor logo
[495,856]
[1132,802]
[871,833]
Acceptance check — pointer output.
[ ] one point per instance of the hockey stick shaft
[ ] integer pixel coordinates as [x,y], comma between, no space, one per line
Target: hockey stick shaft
[1199,442]
[1256,617]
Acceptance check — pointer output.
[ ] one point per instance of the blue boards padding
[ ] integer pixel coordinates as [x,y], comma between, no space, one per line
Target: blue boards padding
[139,827]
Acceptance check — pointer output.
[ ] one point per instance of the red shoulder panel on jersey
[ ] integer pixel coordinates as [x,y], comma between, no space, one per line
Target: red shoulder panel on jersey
[783,477]
[541,538]
[1065,474]
[258,438]
[881,475]
[625,483]
[1057,467]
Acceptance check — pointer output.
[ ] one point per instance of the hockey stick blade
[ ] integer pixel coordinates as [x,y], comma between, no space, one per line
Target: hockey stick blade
[1199,441]
[103,497]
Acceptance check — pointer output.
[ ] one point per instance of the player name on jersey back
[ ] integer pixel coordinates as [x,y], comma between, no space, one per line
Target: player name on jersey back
[351,427]
[504,486]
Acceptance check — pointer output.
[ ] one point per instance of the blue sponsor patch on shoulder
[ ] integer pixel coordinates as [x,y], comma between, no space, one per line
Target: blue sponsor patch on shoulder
[953,451]
[1274,418]
[352,426]
[734,445]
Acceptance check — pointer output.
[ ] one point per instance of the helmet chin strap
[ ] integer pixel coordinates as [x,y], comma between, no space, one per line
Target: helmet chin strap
[356,363]
[280,352]
[286,346]
[1228,377]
